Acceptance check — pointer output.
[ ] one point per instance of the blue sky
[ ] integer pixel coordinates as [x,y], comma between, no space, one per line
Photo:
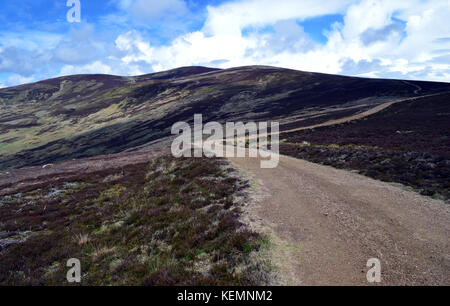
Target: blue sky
[371,38]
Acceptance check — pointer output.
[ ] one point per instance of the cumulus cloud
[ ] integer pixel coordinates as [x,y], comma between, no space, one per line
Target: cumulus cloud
[133,47]
[377,38]
[371,35]
[96,67]
[231,18]
[16,79]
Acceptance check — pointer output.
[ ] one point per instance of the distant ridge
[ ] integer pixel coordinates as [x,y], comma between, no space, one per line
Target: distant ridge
[86,115]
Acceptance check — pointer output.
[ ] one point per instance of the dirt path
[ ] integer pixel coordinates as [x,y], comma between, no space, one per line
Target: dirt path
[418,88]
[369,112]
[361,115]
[337,220]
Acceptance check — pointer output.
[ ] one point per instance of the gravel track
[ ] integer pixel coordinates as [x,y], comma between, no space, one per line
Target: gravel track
[338,220]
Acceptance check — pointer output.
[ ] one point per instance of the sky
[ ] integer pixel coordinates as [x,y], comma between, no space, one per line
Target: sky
[402,39]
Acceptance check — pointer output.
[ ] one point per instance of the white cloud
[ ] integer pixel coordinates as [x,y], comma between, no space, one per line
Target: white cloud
[404,46]
[134,47]
[378,38]
[231,18]
[16,79]
[95,68]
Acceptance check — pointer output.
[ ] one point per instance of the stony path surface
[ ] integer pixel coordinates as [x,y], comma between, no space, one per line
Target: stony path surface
[337,220]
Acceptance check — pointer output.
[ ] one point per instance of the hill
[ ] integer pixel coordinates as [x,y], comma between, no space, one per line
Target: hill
[86,115]
[112,195]
[407,143]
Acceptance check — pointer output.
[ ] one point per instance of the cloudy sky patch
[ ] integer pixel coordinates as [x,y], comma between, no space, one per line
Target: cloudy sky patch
[373,38]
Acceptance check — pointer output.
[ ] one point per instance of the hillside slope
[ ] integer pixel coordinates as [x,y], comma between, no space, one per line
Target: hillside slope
[407,143]
[86,115]
[144,217]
